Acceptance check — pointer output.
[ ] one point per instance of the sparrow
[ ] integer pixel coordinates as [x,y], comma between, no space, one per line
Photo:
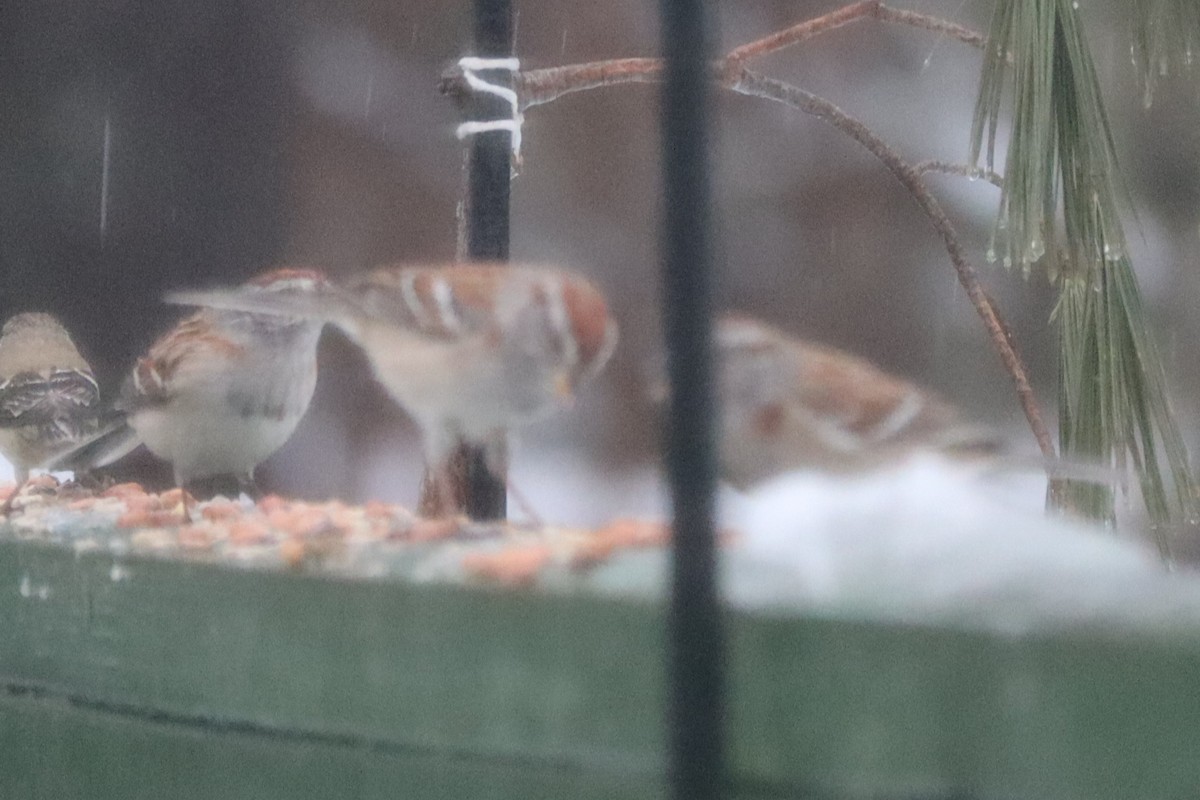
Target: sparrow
[469,351]
[222,390]
[49,398]
[789,404]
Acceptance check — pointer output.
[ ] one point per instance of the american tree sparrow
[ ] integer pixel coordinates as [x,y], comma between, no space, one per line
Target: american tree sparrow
[468,350]
[791,405]
[49,399]
[222,390]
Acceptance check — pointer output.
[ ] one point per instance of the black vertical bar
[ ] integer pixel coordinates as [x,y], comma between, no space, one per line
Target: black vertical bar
[696,710]
[488,219]
[487,492]
[491,153]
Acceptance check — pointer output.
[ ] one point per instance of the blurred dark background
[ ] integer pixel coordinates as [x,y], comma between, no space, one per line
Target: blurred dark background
[148,145]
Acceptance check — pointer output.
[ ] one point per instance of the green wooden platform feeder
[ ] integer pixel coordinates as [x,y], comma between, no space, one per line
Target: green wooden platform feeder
[138,670]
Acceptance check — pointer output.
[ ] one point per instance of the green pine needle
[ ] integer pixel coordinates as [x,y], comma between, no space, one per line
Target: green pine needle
[1113,405]
[1166,39]
[1061,145]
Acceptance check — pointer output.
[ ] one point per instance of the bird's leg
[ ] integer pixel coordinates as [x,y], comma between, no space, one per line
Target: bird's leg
[183,497]
[496,452]
[443,485]
[429,502]
[535,519]
[247,486]
[454,465]
[440,495]
[22,477]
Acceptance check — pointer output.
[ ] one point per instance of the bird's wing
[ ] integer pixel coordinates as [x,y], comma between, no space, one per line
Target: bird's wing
[436,303]
[55,398]
[861,406]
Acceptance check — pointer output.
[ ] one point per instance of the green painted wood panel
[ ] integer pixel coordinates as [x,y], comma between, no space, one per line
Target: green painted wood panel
[412,678]
[55,751]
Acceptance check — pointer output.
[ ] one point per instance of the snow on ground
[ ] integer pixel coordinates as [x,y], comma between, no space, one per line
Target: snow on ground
[928,540]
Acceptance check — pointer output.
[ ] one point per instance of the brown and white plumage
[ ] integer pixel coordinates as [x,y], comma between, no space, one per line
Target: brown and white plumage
[49,398]
[789,405]
[222,390]
[469,350]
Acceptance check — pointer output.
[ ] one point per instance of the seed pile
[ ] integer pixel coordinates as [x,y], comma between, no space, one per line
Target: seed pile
[371,541]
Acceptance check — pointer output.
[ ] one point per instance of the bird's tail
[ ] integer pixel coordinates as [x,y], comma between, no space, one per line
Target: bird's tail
[328,304]
[111,442]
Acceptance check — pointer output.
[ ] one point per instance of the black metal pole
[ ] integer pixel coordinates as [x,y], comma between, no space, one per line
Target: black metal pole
[488,220]
[696,659]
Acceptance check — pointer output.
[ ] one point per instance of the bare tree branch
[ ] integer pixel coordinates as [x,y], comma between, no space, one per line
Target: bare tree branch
[539,86]
[934,24]
[866,9]
[962,170]
[805,30]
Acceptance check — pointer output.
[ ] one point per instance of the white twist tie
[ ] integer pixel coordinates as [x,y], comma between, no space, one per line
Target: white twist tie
[469,65]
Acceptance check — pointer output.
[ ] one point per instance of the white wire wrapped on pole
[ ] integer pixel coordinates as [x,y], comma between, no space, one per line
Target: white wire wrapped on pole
[470,65]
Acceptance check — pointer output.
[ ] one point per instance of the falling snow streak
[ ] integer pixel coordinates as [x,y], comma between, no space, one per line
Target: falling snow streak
[104,170]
